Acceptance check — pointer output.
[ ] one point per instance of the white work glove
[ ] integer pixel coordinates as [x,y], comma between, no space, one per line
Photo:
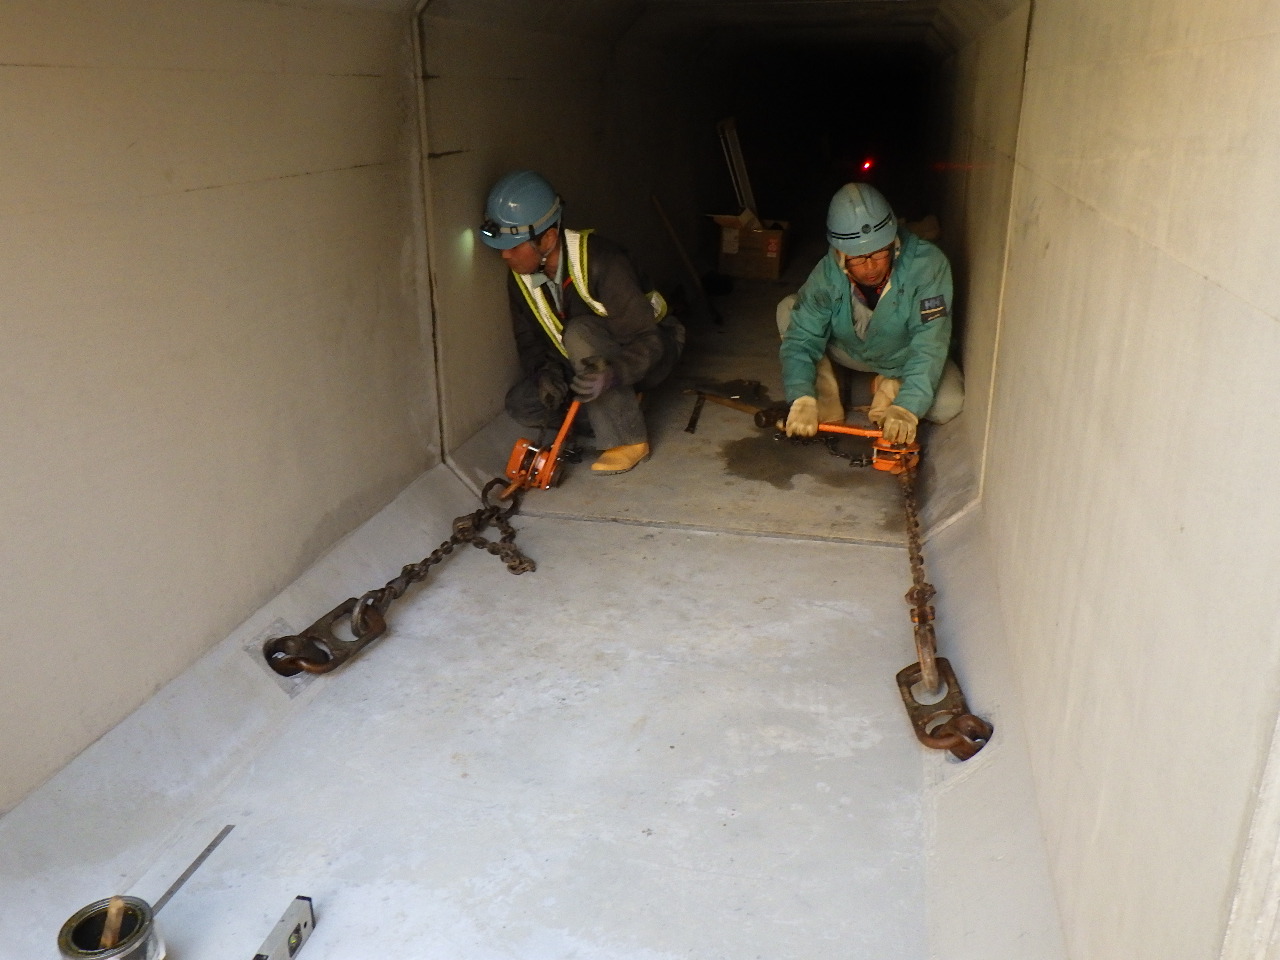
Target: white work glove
[899,424]
[883,392]
[802,419]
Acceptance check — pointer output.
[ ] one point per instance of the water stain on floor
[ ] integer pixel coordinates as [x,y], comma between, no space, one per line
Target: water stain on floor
[765,458]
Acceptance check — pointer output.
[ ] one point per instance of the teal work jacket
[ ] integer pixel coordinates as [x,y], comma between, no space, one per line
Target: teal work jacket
[907,338]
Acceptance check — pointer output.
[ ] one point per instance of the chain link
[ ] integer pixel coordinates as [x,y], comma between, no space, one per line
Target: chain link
[921,592]
[831,443]
[318,649]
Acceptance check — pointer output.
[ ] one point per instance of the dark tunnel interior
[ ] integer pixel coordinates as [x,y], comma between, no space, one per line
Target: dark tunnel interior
[812,118]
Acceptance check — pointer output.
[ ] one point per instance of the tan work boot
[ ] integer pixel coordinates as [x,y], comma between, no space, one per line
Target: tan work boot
[620,459]
[830,409]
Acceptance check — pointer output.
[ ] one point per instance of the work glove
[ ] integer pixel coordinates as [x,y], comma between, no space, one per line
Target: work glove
[899,424]
[552,386]
[802,419]
[883,392]
[595,377]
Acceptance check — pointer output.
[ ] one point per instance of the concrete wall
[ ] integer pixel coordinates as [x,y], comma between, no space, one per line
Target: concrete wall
[605,115]
[985,97]
[989,889]
[212,363]
[1131,449]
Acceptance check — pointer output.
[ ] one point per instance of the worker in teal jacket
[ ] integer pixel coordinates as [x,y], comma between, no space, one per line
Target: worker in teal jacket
[879,302]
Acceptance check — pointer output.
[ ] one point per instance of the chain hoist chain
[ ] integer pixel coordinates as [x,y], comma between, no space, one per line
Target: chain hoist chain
[921,592]
[944,723]
[831,443]
[317,649]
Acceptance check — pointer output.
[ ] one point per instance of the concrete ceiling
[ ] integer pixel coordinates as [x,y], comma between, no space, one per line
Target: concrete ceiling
[941,25]
[792,22]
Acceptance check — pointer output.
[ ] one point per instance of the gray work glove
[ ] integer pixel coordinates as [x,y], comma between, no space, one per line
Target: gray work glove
[553,388]
[595,377]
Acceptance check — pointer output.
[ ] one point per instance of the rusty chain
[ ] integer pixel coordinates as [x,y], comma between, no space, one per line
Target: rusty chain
[921,592]
[929,687]
[317,649]
[831,443]
[945,723]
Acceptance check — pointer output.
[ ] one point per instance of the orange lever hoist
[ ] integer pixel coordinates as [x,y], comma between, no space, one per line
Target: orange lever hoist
[530,467]
[886,456]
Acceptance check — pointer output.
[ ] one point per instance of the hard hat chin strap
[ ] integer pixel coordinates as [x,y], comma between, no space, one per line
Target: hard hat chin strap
[556,226]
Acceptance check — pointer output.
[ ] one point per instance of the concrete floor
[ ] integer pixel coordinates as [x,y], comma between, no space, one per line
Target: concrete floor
[662,743]
[679,737]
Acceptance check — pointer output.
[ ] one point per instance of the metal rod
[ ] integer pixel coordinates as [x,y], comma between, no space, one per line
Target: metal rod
[875,433]
[195,865]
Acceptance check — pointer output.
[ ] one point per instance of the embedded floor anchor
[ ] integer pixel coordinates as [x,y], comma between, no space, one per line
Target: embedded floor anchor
[943,723]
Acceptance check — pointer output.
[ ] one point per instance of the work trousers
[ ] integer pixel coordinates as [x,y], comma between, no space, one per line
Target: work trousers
[615,416]
[948,398]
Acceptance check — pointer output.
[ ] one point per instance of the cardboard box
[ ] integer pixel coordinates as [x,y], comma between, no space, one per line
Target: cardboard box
[751,248]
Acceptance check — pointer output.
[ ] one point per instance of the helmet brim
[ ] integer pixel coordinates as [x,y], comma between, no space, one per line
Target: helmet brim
[502,241]
[869,244]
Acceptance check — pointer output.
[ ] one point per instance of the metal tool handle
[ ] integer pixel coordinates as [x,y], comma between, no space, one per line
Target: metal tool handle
[875,433]
[565,427]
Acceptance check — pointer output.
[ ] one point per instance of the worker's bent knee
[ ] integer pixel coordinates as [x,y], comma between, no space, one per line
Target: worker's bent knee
[525,407]
[588,337]
[948,400]
[784,313]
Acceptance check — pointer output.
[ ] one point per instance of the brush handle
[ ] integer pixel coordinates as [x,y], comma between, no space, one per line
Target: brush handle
[111,927]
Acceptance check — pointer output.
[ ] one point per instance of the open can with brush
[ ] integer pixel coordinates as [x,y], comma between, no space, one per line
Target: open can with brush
[118,928]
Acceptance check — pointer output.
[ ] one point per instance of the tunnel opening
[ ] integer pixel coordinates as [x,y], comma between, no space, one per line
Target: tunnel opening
[822,116]
[625,122]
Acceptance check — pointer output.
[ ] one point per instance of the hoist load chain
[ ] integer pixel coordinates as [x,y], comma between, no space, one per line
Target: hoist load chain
[945,722]
[923,614]
[318,649]
[831,443]
[921,592]
[921,595]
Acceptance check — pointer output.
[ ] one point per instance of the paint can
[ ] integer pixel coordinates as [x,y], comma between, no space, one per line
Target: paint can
[80,935]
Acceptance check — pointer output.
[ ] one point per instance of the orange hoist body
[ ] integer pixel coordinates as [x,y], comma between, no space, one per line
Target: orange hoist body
[886,456]
[531,467]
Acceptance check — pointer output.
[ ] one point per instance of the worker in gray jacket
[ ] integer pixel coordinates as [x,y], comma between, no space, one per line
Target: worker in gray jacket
[585,321]
[878,302]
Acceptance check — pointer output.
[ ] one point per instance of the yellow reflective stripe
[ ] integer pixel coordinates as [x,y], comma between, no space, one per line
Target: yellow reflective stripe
[541,308]
[659,304]
[575,244]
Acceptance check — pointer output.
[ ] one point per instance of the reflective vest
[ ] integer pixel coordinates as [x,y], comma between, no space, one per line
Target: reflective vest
[575,249]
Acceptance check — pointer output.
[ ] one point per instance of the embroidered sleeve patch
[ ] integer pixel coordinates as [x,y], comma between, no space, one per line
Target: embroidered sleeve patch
[931,308]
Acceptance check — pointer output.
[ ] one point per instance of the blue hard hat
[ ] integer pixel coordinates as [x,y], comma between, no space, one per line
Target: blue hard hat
[860,220]
[520,206]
